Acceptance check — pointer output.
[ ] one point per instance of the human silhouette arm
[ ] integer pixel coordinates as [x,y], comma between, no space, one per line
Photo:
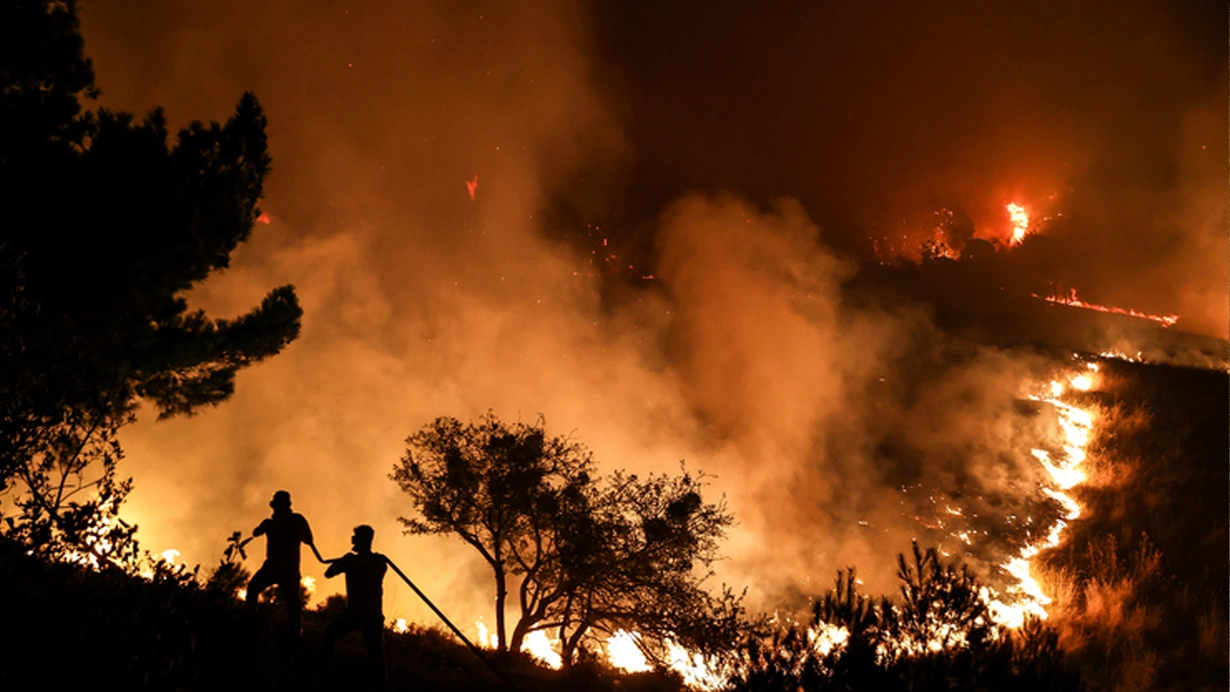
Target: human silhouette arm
[337,566]
[260,529]
[305,535]
[323,560]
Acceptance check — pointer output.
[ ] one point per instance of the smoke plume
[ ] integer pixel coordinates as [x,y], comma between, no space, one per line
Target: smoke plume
[827,423]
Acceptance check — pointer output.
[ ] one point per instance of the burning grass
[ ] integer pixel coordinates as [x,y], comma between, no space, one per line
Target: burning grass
[1140,590]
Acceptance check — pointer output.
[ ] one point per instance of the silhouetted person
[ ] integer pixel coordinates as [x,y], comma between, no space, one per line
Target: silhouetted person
[283,532]
[364,572]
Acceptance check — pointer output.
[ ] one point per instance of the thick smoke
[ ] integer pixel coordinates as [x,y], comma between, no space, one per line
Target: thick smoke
[1108,117]
[827,425]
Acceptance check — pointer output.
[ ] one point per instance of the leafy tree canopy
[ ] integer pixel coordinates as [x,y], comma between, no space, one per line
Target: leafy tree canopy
[586,555]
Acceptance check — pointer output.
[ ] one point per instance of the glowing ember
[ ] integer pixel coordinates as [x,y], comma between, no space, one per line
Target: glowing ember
[472,186]
[264,218]
[623,653]
[1020,222]
[400,626]
[1072,300]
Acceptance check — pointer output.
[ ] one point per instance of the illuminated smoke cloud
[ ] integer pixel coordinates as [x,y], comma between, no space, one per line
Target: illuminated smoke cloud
[426,293]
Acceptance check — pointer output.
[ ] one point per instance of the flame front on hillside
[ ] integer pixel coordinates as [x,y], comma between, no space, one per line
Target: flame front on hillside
[1023,598]
[1026,597]
[1072,300]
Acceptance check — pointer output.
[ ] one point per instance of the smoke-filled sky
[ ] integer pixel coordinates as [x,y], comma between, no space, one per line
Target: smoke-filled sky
[740,156]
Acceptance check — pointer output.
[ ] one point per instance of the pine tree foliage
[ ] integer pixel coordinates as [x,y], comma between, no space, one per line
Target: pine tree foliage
[106,222]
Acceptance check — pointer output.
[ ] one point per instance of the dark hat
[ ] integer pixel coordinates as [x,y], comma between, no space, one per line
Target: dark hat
[280,499]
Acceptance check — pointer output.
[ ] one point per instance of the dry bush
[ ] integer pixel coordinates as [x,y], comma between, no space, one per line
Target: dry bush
[1105,615]
[1212,635]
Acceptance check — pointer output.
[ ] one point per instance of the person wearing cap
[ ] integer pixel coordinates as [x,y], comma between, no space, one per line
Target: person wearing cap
[364,572]
[283,532]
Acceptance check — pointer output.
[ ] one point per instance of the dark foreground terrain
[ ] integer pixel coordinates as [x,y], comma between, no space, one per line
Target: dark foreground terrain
[1141,586]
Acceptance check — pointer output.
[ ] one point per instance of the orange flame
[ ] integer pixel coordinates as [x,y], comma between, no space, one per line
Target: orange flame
[1072,300]
[1020,222]
[623,653]
[1076,425]
[472,186]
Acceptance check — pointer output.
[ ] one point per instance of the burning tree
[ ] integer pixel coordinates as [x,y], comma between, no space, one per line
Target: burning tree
[588,556]
[108,225]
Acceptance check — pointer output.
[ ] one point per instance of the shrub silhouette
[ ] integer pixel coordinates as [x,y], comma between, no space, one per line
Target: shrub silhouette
[939,636]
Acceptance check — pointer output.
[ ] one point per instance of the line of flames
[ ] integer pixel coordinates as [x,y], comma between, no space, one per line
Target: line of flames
[1072,300]
[1025,598]
[1076,423]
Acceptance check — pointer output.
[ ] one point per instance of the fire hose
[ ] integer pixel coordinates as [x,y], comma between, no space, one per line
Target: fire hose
[477,651]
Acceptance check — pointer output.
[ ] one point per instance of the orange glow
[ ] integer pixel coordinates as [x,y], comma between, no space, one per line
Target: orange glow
[1081,383]
[264,218]
[486,638]
[543,648]
[472,186]
[623,653]
[1072,300]
[1027,597]
[697,671]
[1020,222]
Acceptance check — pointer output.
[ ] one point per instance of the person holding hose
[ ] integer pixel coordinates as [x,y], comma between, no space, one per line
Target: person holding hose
[283,532]
[364,612]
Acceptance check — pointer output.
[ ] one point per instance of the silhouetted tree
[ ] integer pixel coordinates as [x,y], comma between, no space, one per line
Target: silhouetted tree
[648,546]
[586,555]
[506,489]
[105,226]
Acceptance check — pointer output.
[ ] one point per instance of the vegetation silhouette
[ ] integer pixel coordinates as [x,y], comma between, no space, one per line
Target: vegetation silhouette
[109,224]
[940,636]
[587,556]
